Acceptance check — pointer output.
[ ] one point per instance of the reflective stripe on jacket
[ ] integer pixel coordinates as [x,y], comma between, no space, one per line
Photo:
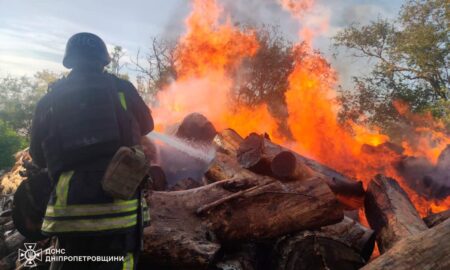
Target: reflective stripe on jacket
[61,217]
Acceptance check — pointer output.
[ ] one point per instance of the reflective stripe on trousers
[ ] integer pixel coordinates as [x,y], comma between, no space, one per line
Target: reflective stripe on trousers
[63,218]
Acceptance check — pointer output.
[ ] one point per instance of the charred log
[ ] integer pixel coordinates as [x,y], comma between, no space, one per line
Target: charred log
[314,250]
[390,212]
[429,249]
[435,219]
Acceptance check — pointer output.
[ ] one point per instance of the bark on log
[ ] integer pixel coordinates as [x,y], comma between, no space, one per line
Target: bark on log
[225,167]
[185,224]
[390,212]
[256,151]
[271,209]
[429,249]
[354,234]
[314,250]
[435,219]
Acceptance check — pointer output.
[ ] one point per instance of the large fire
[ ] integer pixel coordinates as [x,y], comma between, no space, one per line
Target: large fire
[212,47]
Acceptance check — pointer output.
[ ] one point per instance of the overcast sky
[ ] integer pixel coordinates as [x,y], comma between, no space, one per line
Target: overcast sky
[33,33]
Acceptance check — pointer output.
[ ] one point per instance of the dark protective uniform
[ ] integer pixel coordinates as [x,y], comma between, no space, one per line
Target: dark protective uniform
[86,220]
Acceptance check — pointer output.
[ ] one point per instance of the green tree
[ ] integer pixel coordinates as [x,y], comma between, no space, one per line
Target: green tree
[263,78]
[411,56]
[18,98]
[10,143]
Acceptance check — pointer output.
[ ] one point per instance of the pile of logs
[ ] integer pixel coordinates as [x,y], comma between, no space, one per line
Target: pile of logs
[266,207]
[263,206]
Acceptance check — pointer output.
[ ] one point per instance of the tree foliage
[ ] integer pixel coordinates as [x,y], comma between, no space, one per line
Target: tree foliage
[264,76]
[411,57]
[18,98]
[10,143]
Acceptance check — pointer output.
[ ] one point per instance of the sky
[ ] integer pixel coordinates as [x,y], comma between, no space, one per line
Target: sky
[33,33]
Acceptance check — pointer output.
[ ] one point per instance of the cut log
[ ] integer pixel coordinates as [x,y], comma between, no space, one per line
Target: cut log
[196,127]
[354,234]
[256,152]
[251,155]
[314,250]
[284,166]
[225,167]
[186,224]
[429,249]
[228,142]
[435,219]
[390,212]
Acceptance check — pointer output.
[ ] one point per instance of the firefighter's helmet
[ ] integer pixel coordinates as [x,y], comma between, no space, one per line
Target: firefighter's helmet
[85,47]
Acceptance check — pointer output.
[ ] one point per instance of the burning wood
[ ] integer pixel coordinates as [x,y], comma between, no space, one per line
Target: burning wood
[257,152]
[260,191]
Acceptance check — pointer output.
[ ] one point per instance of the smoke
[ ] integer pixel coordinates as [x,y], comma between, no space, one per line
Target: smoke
[260,12]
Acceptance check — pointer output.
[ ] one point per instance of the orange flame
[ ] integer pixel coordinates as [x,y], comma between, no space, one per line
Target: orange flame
[212,47]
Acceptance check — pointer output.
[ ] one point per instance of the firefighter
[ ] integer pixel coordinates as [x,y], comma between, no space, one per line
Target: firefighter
[77,128]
